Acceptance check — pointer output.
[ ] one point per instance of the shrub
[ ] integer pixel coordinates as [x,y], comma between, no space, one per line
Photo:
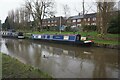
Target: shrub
[114,25]
[89,28]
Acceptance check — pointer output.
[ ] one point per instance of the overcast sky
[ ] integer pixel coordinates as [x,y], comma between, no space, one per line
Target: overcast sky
[75,6]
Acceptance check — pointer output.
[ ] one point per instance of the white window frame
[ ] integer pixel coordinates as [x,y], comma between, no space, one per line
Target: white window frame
[88,24]
[88,19]
[48,21]
[79,25]
[74,20]
[94,19]
[52,21]
[79,20]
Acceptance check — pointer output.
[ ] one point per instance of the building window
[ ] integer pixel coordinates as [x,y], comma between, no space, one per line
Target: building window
[93,23]
[74,20]
[79,20]
[88,19]
[52,21]
[68,21]
[48,21]
[55,21]
[94,19]
[52,24]
[79,25]
[88,23]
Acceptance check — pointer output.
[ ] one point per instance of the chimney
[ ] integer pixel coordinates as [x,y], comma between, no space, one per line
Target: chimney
[79,14]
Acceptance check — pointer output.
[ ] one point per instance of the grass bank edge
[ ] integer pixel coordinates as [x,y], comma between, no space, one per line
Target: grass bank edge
[7,60]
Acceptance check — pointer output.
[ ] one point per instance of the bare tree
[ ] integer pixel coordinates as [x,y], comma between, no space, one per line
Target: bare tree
[11,18]
[104,9]
[66,10]
[39,9]
[17,19]
[24,18]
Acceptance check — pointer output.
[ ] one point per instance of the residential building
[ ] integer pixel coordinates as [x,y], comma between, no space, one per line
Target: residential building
[89,19]
[53,22]
[75,21]
[0,25]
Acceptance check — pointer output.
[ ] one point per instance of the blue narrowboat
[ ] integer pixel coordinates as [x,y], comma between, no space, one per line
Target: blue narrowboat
[69,39]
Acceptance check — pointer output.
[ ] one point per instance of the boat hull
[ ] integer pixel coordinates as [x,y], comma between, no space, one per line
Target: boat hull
[65,42]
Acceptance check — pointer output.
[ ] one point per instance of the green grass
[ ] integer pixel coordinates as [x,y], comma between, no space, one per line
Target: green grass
[82,33]
[13,68]
[107,42]
[51,32]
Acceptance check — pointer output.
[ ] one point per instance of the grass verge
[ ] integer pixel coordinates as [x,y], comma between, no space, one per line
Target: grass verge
[12,68]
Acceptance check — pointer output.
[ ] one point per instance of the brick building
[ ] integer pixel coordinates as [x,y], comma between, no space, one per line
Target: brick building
[89,19]
[53,23]
[56,22]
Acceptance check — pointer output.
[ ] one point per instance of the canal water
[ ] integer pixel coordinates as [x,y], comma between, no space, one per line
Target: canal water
[63,61]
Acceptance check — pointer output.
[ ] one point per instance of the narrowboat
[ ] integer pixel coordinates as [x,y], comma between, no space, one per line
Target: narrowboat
[20,35]
[66,39]
[12,34]
[8,34]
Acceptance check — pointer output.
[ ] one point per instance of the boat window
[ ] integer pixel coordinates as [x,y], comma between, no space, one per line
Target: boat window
[20,34]
[51,36]
[78,37]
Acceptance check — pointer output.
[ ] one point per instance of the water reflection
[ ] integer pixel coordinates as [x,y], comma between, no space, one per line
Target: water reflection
[64,61]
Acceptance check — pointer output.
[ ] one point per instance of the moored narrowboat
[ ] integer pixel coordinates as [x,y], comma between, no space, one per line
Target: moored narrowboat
[20,35]
[8,34]
[11,34]
[66,39]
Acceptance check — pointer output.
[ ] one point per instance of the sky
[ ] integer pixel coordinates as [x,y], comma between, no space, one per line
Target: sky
[75,7]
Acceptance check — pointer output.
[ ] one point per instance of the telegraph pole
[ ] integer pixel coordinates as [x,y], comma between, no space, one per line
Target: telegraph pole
[0,34]
[60,24]
[83,6]
[0,26]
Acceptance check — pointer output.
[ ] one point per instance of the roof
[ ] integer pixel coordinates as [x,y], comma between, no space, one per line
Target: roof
[76,17]
[53,18]
[92,15]
[81,16]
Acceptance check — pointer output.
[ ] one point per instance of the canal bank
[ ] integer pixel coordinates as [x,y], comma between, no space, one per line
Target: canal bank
[12,68]
[111,46]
